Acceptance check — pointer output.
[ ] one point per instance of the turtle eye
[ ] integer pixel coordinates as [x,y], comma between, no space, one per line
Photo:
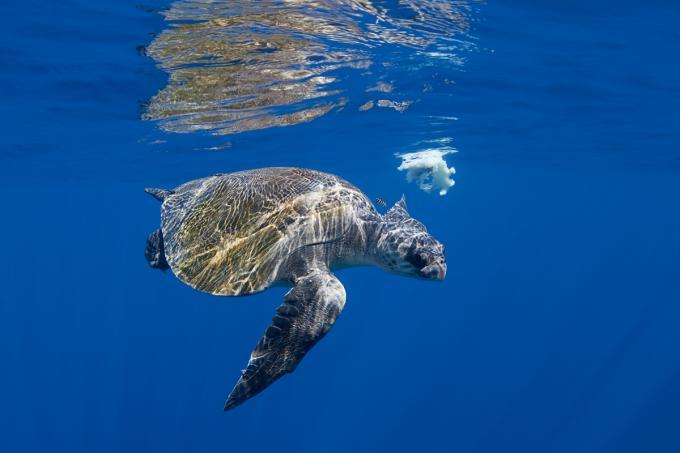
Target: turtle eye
[418,260]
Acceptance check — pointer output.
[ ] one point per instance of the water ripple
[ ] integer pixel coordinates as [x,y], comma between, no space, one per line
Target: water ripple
[240,65]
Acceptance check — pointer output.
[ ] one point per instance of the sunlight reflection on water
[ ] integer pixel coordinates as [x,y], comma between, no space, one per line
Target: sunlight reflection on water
[242,65]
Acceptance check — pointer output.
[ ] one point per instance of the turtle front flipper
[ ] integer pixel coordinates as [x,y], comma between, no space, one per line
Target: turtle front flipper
[309,310]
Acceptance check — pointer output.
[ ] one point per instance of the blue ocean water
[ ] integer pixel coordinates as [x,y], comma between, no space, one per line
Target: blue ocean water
[556,329]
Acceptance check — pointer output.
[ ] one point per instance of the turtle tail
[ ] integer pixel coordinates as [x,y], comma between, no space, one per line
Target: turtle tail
[155,251]
[159,194]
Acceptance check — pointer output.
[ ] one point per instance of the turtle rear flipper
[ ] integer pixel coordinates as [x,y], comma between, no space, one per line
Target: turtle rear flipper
[155,251]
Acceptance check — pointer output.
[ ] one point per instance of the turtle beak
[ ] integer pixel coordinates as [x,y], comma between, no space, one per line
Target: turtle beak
[435,271]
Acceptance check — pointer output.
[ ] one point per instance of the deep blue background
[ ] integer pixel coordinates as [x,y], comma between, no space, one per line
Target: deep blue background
[555,331]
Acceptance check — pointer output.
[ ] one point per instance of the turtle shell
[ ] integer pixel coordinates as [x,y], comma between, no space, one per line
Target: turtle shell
[229,234]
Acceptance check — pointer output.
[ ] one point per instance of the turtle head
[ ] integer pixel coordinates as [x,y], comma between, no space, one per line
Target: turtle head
[405,247]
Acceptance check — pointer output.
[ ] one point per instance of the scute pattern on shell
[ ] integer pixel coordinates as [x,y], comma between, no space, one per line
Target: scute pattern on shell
[230,234]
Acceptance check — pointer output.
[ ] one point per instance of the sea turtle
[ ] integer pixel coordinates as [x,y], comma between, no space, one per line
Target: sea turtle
[240,233]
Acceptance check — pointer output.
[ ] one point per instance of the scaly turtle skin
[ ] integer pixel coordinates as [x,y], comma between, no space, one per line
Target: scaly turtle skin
[239,233]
